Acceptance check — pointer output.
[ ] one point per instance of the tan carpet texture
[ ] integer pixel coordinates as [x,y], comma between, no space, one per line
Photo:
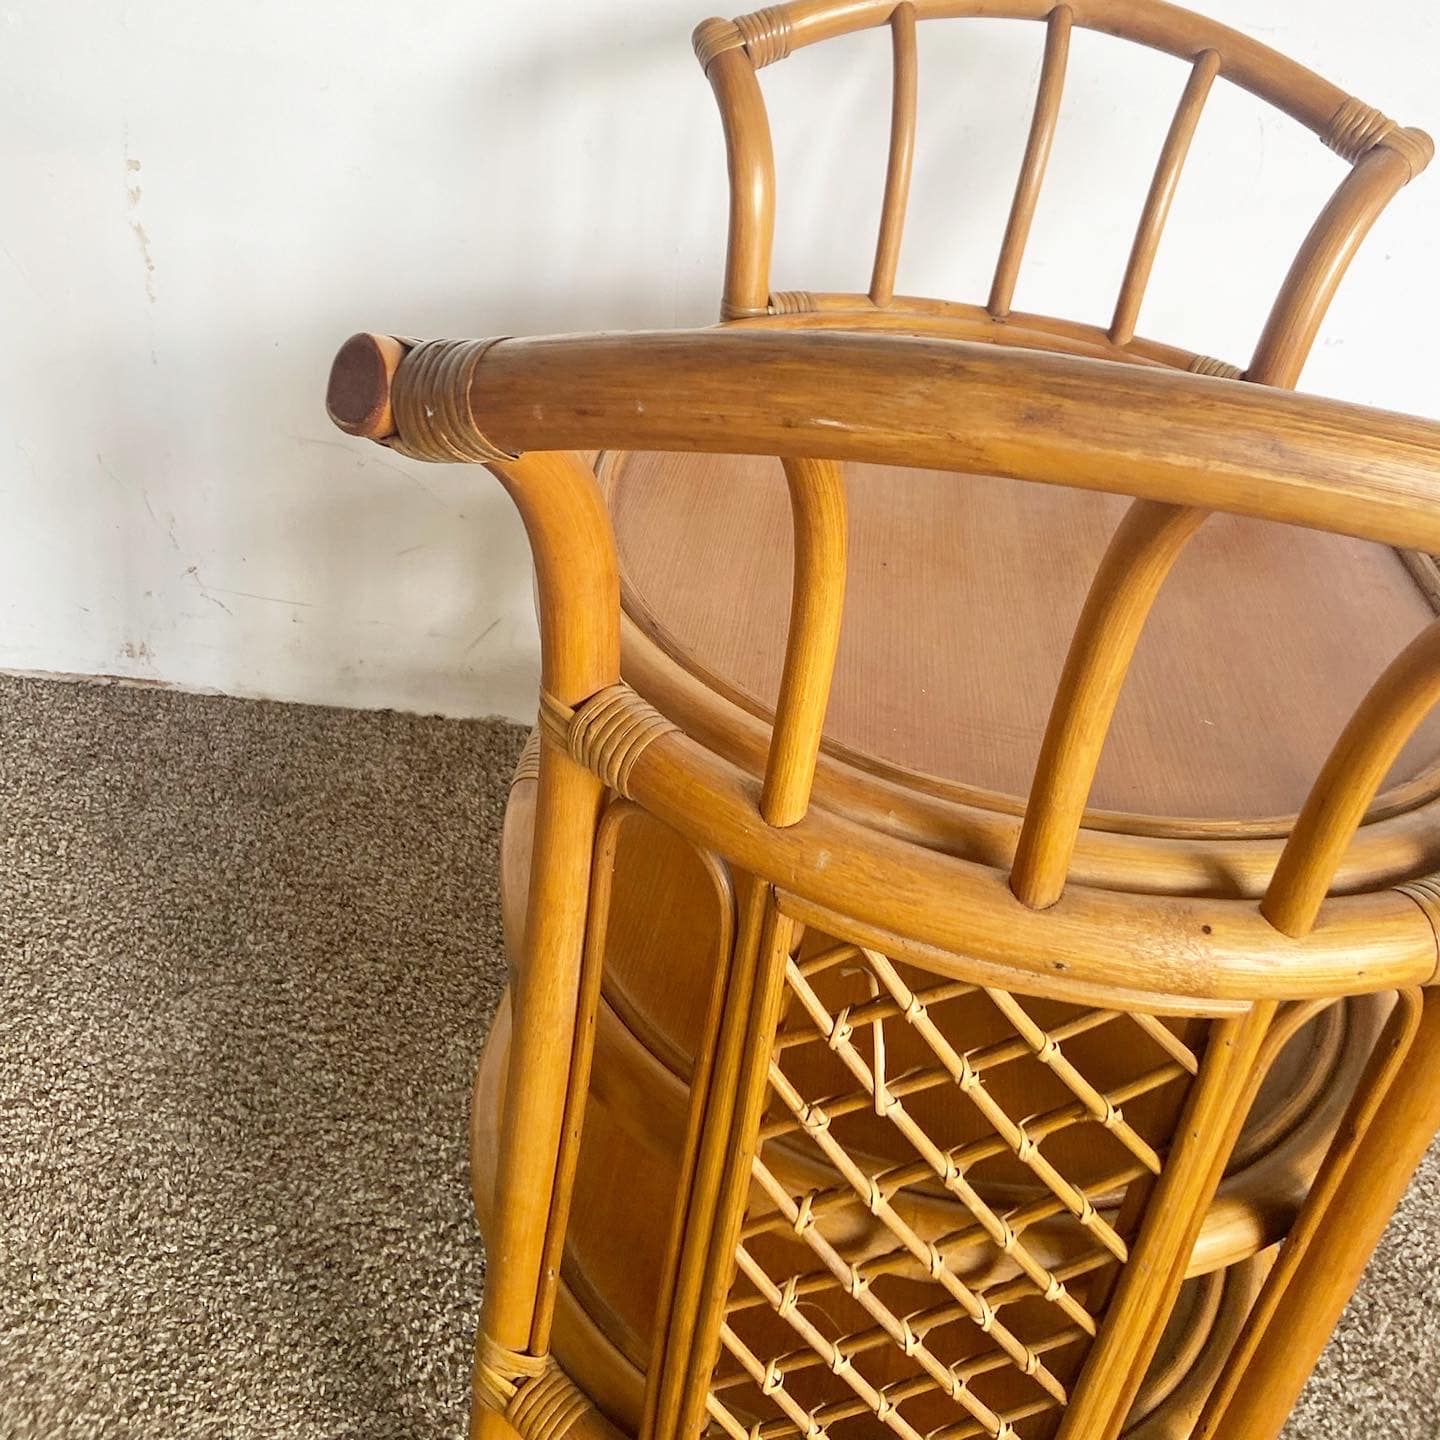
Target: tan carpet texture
[248,953]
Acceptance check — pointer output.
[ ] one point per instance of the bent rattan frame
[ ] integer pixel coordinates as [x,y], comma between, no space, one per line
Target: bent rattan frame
[1384,156]
[1174,441]
[1045,912]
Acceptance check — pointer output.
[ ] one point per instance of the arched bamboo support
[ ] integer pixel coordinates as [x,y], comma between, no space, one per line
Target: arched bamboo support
[817,503]
[1145,545]
[1325,255]
[1370,744]
[420,389]
[579,604]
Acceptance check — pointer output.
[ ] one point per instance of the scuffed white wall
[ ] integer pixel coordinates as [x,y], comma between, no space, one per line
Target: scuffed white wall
[205,199]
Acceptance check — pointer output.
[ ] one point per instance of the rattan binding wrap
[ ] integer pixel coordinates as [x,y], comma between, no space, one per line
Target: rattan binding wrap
[792,302]
[534,1394]
[548,1407]
[499,1372]
[607,733]
[1357,127]
[527,767]
[1425,893]
[766,34]
[430,423]
[1222,369]
[712,37]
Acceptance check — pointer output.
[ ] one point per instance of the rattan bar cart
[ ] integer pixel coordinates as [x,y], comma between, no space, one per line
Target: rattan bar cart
[968,891]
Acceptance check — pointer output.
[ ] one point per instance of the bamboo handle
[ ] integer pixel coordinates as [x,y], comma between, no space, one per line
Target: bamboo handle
[361,375]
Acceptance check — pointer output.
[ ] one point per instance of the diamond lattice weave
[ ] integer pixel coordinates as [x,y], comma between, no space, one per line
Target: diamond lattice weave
[941,1205]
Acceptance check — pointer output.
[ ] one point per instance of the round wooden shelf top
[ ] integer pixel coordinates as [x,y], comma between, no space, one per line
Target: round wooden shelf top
[963,592]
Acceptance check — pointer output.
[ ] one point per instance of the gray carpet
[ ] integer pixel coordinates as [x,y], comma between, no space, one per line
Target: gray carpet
[248,953]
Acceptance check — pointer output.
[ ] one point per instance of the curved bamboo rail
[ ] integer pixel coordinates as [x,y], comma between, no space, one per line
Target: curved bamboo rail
[891,400]
[1183,445]
[1384,155]
[817,502]
[1145,545]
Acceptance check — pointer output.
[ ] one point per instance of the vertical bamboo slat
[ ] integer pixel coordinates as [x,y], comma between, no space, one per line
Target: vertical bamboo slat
[743,1075]
[902,155]
[1340,1244]
[545,1000]
[1162,192]
[578,1084]
[1037,156]
[1146,1293]
[711,1155]
[1292,1304]
[675,1310]
[578,585]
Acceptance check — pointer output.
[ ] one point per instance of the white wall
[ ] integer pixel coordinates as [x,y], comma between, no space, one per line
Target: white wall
[204,199]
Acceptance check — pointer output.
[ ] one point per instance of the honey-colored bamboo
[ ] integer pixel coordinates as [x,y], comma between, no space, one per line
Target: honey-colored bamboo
[1362,757]
[1032,167]
[1161,195]
[1152,1279]
[817,496]
[751,165]
[952,918]
[1246,449]
[1321,1283]
[902,155]
[822,872]
[1326,253]
[1144,547]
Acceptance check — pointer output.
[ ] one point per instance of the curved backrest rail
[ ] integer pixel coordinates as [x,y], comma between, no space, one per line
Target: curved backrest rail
[1243,447]
[1161,194]
[1388,155]
[1145,545]
[1037,156]
[1367,748]
[899,400]
[817,502]
[901,158]
[1342,122]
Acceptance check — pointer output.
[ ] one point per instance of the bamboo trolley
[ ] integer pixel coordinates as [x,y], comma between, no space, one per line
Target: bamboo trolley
[840,1092]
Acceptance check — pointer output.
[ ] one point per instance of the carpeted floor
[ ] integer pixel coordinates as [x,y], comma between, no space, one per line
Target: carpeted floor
[248,953]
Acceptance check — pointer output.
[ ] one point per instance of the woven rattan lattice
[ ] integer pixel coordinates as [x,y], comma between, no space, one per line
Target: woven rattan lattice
[847,1308]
